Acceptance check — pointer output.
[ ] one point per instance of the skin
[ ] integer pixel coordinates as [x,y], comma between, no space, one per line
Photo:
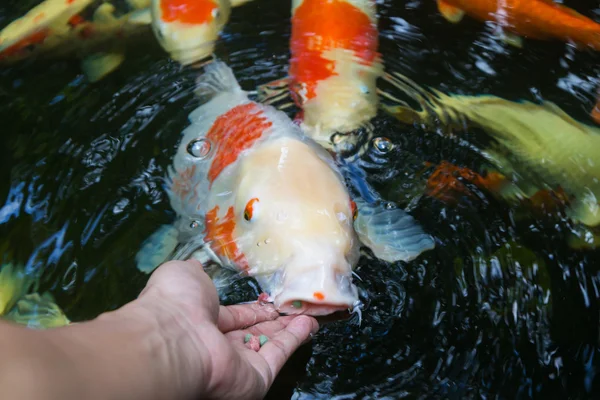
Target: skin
[173,342]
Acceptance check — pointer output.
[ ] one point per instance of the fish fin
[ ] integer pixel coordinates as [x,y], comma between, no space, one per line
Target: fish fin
[271,91]
[139,4]
[38,312]
[391,233]
[14,283]
[98,65]
[217,78]
[512,39]
[104,13]
[449,12]
[157,248]
[140,17]
[237,3]
[585,210]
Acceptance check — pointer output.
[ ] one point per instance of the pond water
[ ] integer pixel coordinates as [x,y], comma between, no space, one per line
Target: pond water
[502,308]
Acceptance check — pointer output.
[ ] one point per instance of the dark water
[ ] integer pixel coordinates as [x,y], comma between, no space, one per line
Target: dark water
[502,308]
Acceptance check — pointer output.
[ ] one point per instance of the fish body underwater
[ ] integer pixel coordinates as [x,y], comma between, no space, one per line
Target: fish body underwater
[271,203]
[31,310]
[334,66]
[99,42]
[188,29]
[536,19]
[537,147]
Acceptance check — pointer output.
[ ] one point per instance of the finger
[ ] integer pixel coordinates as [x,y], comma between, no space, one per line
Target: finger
[241,316]
[267,328]
[278,349]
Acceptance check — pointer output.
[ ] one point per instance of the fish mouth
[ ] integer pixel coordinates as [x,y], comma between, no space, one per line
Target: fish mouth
[299,307]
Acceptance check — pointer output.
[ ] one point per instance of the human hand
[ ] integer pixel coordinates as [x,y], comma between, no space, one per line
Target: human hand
[208,356]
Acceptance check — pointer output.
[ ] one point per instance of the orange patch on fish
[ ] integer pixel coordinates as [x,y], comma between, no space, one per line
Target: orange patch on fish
[188,11]
[538,19]
[31,40]
[448,182]
[596,112]
[182,183]
[353,209]
[219,233]
[234,132]
[76,20]
[39,17]
[319,296]
[320,25]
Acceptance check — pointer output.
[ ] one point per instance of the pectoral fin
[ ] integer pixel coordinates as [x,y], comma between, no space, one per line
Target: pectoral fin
[157,248]
[274,92]
[38,312]
[97,66]
[451,13]
[14,283]
[512,40]
[391,233]
[585,210]
[237,3]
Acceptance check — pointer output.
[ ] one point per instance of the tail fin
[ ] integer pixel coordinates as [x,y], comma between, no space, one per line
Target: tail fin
[14,283]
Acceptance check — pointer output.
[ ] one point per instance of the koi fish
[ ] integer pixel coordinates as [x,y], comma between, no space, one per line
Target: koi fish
[536,147]
[32,310]
[188,29]
[334,66]
[536,19]
[55,29]
[269,202]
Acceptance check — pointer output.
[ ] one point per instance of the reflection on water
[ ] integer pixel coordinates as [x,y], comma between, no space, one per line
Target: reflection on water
[503,307]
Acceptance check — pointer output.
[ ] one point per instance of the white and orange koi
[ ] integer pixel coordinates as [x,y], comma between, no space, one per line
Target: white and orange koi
[273,204]
[188,29]
[334,66]
[56,29]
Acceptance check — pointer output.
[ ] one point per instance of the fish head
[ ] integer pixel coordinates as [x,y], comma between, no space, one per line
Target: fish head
[294,227]
[188,29]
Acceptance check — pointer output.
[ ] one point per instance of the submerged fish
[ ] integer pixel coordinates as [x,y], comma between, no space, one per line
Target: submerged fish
[334,66]
[64,33]
[536,147]
[270,203]
[536,19]
[188,29]
[32,310]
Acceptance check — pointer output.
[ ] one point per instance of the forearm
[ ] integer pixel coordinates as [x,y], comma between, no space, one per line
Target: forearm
[126,354]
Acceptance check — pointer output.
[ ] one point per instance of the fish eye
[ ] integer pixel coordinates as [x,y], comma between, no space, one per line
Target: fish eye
[216,12]
[364,89]
[249,210]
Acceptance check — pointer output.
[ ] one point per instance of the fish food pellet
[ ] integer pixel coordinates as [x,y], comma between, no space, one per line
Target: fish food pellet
[297,304]
[263,339]
[247,337]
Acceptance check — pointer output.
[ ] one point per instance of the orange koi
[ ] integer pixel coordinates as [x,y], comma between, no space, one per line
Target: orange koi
[334,66]
[536,19]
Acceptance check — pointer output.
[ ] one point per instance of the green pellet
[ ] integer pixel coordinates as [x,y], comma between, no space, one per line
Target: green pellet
[263,339]
[247,337]
[297,304]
